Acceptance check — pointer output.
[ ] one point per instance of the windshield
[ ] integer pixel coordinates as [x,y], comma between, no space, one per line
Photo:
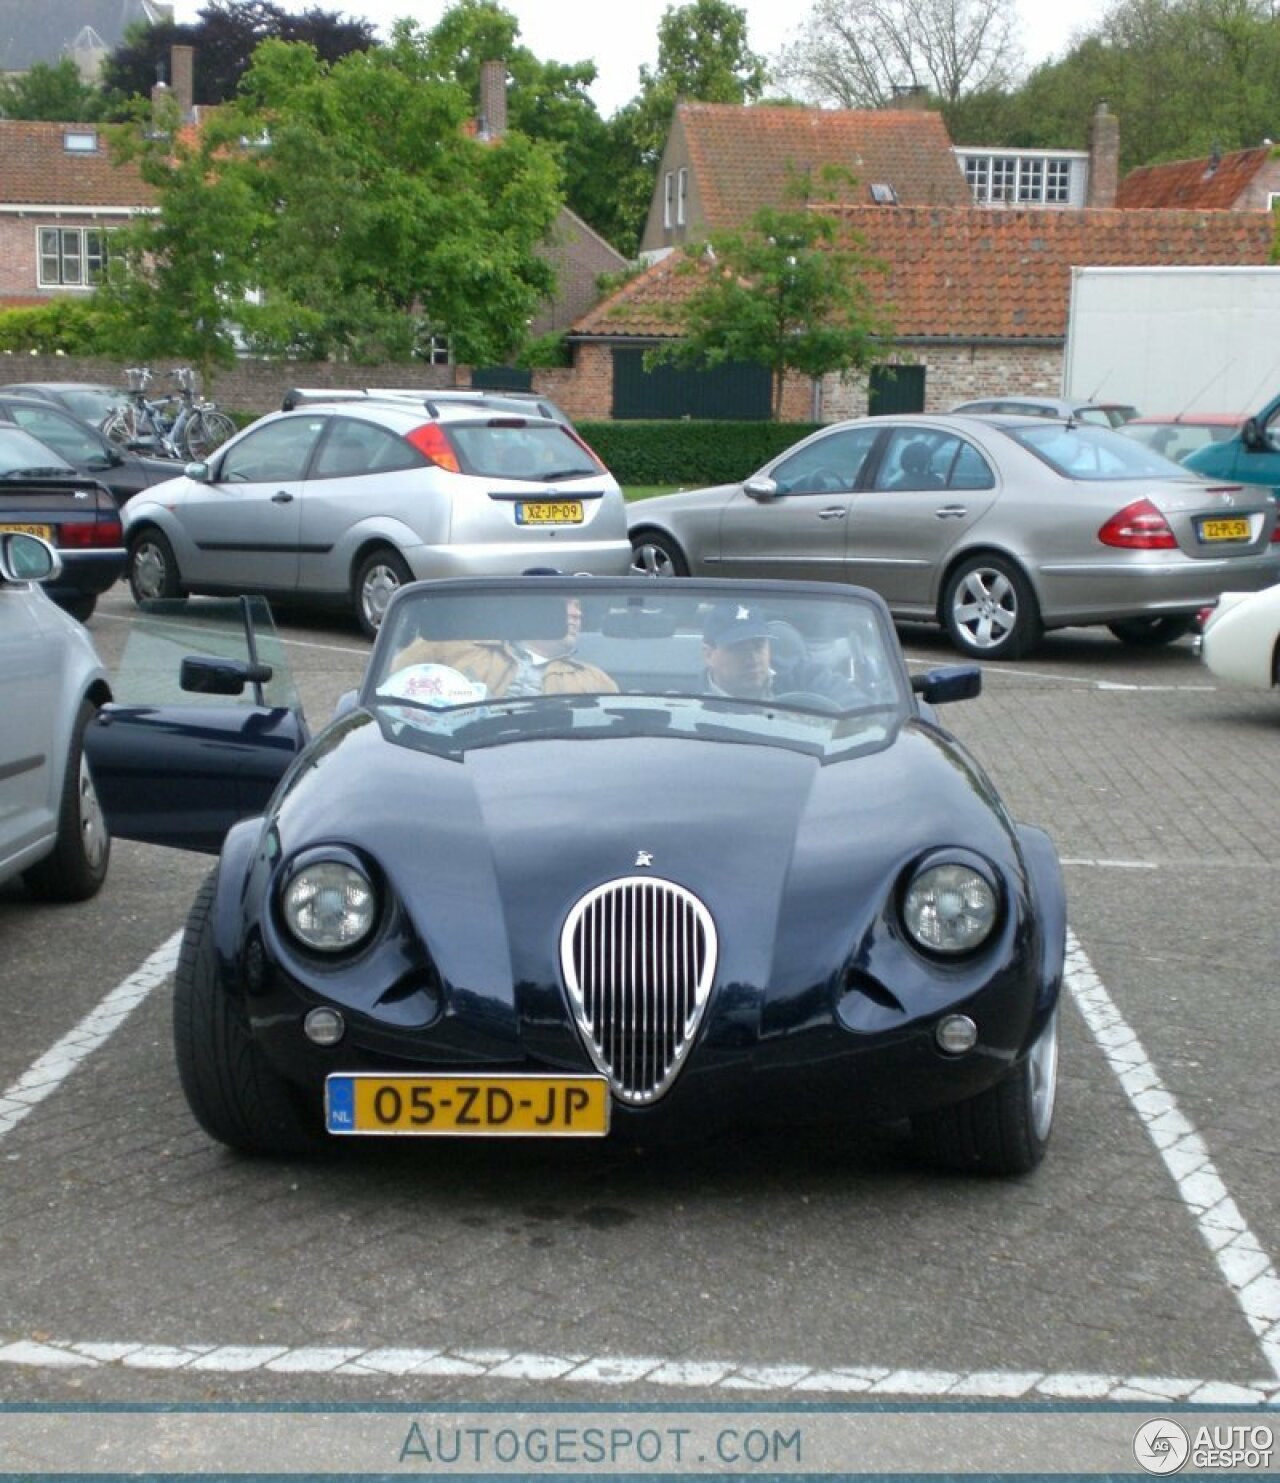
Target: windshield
[22,455]
[472,663]
[1079,451]
[515,449]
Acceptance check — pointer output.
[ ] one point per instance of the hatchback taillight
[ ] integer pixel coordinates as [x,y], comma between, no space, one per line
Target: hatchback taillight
[586,448]
[81,535]
[1138,527]
[433,443]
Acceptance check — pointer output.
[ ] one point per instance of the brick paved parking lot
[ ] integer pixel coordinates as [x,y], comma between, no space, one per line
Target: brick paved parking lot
[141,1262]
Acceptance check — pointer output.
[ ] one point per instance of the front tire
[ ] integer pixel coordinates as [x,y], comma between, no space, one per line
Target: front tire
[654,554]
[378,577]
[989,609]
[78,865]
[233,1092]
[1150,633]
[81,606]
[152,568]
[1004,1130]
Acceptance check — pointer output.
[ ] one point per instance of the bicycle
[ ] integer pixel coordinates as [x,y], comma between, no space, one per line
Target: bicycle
[174,426]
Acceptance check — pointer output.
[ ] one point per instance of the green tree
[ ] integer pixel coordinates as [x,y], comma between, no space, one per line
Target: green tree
[54,93]
[792,292]
[547,101]
[704,57]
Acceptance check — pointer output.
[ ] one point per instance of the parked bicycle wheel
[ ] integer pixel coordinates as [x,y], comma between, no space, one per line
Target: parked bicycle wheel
[205,431]
[121,426]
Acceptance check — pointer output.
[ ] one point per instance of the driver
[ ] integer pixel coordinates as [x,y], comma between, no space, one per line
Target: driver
[736,651]
[516,667]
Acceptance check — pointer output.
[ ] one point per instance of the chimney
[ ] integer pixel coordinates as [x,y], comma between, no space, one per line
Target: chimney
[182,70]
[1104,157]
[493,99]
[909,95]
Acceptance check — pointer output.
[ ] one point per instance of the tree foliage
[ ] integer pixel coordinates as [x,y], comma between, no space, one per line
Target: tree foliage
[353,200]
[793,292]
[55,93]
[225,38]
[703,57]
[862,53]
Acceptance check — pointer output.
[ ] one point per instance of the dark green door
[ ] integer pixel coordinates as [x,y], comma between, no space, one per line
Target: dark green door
[728,393]
[895,389]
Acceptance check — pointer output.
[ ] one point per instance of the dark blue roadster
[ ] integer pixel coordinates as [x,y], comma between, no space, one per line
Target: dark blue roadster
[595,857]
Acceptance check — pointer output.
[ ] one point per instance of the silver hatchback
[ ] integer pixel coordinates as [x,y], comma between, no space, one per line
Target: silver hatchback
[344,502]
[996,528]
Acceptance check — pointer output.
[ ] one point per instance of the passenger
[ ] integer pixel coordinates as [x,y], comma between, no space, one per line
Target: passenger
[515,667]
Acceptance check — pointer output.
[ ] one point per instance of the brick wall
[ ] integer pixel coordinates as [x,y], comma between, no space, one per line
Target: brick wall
[956,374]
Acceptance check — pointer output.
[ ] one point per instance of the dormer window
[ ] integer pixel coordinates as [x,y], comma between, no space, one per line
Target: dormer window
[668,200]
[682,196]
[80,141]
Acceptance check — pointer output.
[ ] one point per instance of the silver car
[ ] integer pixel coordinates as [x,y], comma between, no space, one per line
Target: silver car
[345,501]
[996,528]
[52,831]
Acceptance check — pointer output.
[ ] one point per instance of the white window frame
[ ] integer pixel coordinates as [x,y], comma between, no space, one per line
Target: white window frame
[668,199]
[682,195]
[71,257]
[1273,200]
[1036,178]
[438,350]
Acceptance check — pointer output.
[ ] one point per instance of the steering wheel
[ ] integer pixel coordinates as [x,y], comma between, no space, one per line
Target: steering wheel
[823,481]
[810,699]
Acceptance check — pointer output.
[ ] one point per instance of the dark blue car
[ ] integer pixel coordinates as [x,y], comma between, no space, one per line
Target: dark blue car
[593,857]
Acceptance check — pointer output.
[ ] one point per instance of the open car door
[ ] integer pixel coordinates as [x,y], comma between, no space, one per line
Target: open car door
[206,723]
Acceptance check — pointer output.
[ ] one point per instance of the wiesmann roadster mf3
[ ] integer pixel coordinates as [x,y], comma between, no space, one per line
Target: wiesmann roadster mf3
[593,857]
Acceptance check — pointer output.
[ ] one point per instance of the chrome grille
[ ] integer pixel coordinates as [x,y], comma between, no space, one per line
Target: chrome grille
[638,956]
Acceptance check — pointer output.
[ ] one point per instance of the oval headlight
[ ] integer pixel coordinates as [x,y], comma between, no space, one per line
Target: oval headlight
[329,905]
[950,908]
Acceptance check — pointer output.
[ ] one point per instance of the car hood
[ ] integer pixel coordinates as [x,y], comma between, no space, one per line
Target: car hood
[796,858]
[662,505]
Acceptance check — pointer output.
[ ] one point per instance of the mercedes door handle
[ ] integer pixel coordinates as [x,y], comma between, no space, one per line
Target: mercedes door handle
[951,512]
[281,497]
[833,512]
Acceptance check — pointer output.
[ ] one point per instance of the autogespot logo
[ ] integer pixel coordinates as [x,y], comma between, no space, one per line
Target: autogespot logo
[1161,1446]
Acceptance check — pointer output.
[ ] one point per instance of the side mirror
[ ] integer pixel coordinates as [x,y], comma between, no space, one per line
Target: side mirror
[27,558]
[199,471]
[952,682]
[761,489]
[1251,435]
[207,675]
[346,703]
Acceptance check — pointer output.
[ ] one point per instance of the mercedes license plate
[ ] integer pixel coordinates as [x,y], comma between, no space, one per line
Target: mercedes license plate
[1236,528]
[511,1106]
[549,512]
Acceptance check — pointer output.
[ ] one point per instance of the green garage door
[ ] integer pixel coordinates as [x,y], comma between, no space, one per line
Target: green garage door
[731,392]
[895,389]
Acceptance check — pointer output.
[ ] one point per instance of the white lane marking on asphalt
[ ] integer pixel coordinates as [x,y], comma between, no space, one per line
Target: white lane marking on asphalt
[624,1370]
[1114,864]
[297,643]
[1245,1266]
[1241,1261]
[1007,672]
[47,1074]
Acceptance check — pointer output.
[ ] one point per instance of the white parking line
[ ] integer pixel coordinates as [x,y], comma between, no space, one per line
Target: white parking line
[47,1074]
[1243,1264]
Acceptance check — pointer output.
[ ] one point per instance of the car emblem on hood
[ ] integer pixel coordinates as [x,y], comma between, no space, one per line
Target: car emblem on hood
[644,857]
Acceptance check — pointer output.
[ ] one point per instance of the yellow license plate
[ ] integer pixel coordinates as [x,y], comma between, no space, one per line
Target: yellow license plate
[30,530]
[549,512]
[505,1106]
[1236,529]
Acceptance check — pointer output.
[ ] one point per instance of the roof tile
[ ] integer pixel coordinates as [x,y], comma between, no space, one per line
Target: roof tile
[37,170]
[1193,184]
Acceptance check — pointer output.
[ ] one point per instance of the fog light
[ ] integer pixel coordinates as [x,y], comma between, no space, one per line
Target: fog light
[956,1034]
[324,1026]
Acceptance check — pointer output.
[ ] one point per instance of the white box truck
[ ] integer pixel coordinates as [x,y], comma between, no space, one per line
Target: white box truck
[1174,340]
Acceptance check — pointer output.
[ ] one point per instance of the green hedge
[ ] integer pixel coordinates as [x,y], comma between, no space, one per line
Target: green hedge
[689,453]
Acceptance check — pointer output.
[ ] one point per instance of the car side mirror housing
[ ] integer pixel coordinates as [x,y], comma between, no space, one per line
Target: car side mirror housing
[199,471]
[346,703]
[951,682]
[28,558]
[207,675]
[1251,435]
[761,489]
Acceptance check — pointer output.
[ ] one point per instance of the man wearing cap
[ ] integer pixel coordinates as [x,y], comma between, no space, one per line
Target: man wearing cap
[736,651]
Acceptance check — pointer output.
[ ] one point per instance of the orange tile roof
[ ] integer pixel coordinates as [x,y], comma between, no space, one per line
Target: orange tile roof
[741,156]
[36,170]
[1191,184]
[969,273]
